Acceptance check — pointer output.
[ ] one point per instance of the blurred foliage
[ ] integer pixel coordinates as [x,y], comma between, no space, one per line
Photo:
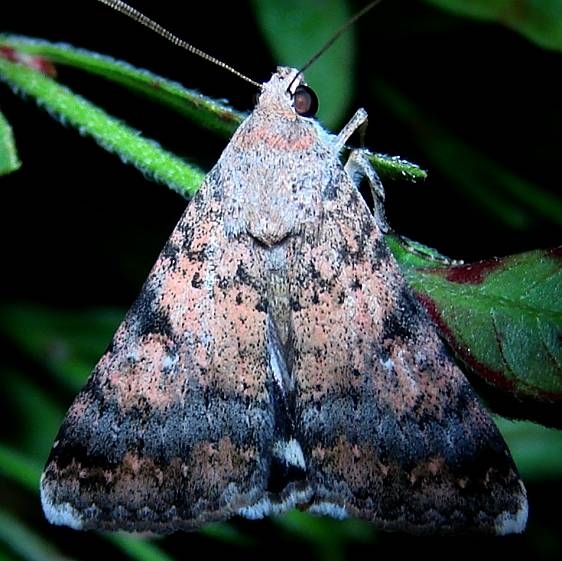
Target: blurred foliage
[538,20]
[309,29]
[503,319]
[60,305]
[8,156]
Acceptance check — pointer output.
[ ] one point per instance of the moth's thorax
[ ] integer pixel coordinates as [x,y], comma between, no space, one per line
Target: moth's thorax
[278,191]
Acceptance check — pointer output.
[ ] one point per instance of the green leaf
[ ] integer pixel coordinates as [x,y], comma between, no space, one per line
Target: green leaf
[9,160]
[227,533]
[414,255]
[539,21]
[536,450]
[112,134]
[309,29]
[36,415]
[137,547]
[25,542]
[394,167]
[202,110]
[328,536]
[503,317]
[67,343]
[19,468]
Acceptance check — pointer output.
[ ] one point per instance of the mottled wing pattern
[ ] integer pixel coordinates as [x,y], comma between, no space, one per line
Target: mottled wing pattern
[277,358]
[389,426]
[172,427]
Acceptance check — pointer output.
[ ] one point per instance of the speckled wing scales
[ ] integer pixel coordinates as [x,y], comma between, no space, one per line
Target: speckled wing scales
[276,358]
[173,426]
[389,426]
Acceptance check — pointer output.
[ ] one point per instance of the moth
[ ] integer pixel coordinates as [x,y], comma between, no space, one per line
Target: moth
[276,358]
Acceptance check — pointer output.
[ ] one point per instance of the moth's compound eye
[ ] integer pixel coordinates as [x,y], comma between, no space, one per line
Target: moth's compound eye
[305,101]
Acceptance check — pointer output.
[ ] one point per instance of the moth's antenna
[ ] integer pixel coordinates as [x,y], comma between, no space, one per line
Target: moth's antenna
[335,37]
[157,28]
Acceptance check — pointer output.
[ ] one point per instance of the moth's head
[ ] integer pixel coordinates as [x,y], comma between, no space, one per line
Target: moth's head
[288,94]
[286,91]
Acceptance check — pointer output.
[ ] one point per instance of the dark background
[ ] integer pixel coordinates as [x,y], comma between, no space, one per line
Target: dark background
[81,229]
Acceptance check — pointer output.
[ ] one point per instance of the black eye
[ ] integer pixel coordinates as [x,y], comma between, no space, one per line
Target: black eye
[305,101]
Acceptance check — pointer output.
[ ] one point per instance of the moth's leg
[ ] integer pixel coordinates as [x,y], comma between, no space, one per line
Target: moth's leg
[358,166]
[358,121]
